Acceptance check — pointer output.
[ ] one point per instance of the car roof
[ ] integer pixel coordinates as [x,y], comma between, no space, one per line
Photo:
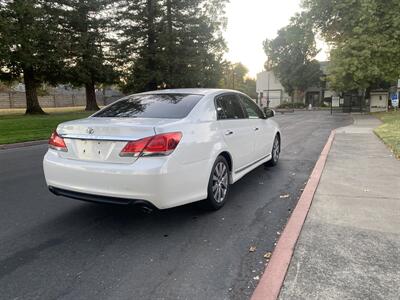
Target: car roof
[198,91]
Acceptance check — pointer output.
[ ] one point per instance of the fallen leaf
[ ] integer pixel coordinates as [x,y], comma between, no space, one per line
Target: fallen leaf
[252,248]
[284,196]
[267,255]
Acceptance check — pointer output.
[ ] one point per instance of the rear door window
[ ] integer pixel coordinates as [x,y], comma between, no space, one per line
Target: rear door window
[165,106]
[228,107]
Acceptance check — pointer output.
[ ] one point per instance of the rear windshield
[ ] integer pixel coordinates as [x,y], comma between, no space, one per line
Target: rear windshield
[169,106]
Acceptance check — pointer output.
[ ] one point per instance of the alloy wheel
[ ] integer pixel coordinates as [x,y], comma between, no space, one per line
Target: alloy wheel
[220,182]
[276,150]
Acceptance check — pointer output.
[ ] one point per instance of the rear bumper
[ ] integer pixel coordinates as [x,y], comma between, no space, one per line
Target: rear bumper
[99,199]
[157,181]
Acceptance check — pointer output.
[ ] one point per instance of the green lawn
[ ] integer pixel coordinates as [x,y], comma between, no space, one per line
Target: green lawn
[389,131]
[20,128]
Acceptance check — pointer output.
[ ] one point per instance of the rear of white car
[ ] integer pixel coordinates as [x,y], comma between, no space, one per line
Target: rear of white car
[128,159]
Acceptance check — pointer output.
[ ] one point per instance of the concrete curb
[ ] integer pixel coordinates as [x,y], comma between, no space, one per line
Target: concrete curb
[23,144]
[272,280]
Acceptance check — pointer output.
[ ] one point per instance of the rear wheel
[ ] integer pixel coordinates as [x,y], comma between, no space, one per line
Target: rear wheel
[276,150]
[218,184]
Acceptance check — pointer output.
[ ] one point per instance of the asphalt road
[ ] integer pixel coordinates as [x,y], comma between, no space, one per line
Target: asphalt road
[59,248]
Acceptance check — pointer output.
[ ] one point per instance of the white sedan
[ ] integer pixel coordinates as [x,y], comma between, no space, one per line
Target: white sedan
[162,149]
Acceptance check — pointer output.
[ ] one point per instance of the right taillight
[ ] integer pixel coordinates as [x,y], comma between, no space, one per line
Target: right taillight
[160,144]
[56,142]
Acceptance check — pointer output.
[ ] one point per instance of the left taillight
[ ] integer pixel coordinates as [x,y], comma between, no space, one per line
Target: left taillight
[56,142]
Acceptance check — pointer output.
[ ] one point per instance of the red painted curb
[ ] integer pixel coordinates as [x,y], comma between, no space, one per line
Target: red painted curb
[272,280]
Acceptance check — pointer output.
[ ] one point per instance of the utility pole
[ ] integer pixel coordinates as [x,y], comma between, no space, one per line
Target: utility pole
[269,73]
[233,77]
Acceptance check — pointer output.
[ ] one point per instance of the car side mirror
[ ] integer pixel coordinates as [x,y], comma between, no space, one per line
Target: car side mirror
[269,113]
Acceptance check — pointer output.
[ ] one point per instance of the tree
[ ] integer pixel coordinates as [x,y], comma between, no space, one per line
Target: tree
[139,50]
[249,87]
[235,77]
[88,45]
[29,46]
[364,39]
[291,55]
[171,43]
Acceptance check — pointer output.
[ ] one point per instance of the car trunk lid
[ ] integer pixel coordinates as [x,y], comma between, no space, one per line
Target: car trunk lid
[102,139]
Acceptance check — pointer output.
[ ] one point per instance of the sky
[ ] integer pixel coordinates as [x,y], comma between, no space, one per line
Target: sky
[250,22]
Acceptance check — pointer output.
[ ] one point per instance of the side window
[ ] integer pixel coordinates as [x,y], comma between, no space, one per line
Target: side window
[228,107]
[252,109]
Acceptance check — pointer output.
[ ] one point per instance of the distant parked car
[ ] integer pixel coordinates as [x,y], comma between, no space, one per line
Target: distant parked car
[163,148]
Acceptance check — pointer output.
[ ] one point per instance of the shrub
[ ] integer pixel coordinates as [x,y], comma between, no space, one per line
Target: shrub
[291,105]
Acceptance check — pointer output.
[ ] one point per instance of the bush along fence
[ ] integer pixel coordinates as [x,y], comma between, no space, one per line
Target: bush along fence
[17,99]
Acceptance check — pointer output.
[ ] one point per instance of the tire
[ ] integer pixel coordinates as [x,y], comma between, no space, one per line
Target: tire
[218,185]
[276,150]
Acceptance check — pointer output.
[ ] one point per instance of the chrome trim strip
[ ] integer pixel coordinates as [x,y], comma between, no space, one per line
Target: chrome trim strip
[252,164]
[95,137]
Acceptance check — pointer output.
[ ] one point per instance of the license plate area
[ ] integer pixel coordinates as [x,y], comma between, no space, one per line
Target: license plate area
[93,149]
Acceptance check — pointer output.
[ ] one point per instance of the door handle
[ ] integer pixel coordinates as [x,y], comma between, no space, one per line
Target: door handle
[228,132]
[256,128]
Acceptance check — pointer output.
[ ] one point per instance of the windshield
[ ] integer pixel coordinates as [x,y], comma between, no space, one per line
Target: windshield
[168,106]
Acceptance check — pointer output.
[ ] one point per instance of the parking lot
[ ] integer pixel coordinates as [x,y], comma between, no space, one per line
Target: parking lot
[53,247]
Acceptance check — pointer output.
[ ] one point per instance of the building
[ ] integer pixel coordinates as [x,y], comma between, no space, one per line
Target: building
[269,88]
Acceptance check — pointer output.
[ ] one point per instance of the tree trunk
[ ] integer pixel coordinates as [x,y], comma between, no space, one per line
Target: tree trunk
[170,60]
[298,95]
[91,103]
[32,102]
[151,43]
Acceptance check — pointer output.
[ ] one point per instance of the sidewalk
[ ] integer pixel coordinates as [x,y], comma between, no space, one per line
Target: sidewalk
[349,247]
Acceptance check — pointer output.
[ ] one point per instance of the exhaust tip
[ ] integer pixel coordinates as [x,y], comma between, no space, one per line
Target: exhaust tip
[144,207]
[53,190]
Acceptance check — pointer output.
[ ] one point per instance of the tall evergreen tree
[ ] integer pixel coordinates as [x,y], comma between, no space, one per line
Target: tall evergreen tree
[139,47]
[88,53]
[172,43]
[29,46]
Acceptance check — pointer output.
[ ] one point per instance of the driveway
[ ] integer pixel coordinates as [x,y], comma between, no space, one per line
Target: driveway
[53,247]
